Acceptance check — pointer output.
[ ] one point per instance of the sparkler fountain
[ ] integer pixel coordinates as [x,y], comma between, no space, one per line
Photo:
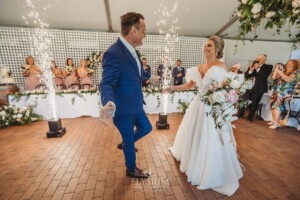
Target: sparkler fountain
[167,27]
[42,42]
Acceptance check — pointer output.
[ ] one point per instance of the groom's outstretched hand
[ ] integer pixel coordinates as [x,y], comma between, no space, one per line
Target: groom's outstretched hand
[106,112]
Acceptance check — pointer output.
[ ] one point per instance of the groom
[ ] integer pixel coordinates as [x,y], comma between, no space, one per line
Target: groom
[121,88]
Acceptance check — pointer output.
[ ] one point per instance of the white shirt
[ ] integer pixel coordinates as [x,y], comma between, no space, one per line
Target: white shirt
[132,50]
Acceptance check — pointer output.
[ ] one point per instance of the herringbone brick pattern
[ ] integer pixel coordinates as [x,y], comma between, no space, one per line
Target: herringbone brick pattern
[85,163]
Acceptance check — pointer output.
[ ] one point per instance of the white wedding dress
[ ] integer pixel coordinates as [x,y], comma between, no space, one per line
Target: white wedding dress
[207,162]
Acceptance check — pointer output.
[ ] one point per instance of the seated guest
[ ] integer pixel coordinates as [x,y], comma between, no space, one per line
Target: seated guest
[286,79]
[32,74]
[83,73]
[146,81]
[70,73]
[178,73]
[58,76]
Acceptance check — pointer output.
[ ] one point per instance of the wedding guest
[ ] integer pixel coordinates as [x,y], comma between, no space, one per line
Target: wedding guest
[260,71]
[58,76]
[236,68]
[162,69]
[286,78]
[70,73]
[32,74]
[178,73]
[147,69]
[83,73]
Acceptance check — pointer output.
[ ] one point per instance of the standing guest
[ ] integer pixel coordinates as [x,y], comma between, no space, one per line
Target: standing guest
[58,76]
[286,79]
[147,69]
[163,69]
[178,73]
[70,73]
[32,74]
[121,91]
[83,73]
[260,71]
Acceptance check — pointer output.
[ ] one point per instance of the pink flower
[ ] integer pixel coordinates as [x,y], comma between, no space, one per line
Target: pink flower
[232,96]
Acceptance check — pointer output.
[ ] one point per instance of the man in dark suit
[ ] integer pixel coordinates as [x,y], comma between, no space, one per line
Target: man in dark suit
[147,69]
[121,91]
[260,71]
[178,73]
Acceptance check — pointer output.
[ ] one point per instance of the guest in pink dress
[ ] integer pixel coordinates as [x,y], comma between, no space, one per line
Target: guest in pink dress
[58,76]
[83,73]
[32,74]
[70,73]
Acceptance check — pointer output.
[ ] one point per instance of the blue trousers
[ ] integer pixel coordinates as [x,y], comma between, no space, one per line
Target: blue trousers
[126,125]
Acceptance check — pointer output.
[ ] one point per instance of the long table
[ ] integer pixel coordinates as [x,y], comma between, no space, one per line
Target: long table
[88,104]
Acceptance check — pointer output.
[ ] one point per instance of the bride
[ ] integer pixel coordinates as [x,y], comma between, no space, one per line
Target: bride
[207,162]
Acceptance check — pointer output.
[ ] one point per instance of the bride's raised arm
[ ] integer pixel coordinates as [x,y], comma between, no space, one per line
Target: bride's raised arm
[186,86]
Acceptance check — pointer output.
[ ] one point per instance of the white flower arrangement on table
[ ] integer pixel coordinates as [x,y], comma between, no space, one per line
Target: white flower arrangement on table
[271,14]
[222,100]
[12,115]
[94,61]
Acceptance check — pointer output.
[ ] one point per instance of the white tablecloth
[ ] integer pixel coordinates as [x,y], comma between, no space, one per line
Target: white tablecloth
[67,105]
[71,105]
[266,113]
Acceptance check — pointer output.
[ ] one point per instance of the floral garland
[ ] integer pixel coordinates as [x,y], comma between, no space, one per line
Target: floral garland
[222,100]
[271,14]
[12,115]
[18,95]
[183,105]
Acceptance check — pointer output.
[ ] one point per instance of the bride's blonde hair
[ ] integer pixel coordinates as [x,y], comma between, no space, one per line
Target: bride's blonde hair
[219,44]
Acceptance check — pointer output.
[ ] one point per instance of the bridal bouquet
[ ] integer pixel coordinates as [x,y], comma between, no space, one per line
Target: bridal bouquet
[69,69]
[222,100]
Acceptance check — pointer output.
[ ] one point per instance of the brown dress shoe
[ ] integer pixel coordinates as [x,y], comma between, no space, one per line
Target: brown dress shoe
[136,174]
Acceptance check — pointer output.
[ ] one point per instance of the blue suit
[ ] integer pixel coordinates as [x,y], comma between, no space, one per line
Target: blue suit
[122,84]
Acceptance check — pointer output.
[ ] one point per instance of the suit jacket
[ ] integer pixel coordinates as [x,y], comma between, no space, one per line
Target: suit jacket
[161,70]
[121,82]
[261,78]
[178,80]
[148,72]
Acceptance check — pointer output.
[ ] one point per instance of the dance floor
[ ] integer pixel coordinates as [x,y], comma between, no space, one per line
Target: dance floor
[85,163]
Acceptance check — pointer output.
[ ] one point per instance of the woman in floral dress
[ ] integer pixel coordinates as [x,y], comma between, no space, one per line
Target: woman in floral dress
[286,79]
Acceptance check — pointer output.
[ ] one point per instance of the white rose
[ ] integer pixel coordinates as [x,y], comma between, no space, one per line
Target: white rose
[296,11]
[256,8]
[256,15]
[14,116]
[218,97]
[5,107]
[2,112]
[270,14]
[296,3]
[235,84]
[240,14]
[244,1]
[19,115]
[3,118]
